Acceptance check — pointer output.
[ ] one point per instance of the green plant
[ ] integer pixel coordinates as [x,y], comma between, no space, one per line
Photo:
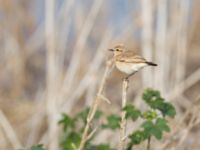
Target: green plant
[154,119]
[154,124]
[113,122]
[73,129]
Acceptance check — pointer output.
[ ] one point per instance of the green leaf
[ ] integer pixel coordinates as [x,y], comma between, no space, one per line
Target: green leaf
[83,115]
[155,101]
[137,137]
[132,112]
[149,115]
[155,129]
[113,122]
[161,124]
[148,125]
[37,147]
[167,109]
[150,94]
[71,138]
[158,103]
[98,114]
[151,129]
[66,121]
[156,132]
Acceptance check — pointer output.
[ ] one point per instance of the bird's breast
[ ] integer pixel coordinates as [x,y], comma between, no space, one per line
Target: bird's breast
[129,68]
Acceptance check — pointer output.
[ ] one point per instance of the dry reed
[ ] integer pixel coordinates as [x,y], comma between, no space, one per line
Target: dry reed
[86,136]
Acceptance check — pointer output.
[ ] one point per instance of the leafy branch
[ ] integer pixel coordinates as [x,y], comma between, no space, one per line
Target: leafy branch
[154,124]
[154,119]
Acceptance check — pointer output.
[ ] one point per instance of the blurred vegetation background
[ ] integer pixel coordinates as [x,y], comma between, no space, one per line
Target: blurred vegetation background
[53,54]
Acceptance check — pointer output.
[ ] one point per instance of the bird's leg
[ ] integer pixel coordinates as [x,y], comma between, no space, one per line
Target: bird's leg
[126,78]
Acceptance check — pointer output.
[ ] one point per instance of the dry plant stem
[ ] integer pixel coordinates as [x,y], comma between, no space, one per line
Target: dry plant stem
[123,116]
[186,84]
[93,109]
[147,34]
[36,40]
[87,27]
[51,104]
[36,122]
[182,40]
[161,46]
[181,127]
[9,132]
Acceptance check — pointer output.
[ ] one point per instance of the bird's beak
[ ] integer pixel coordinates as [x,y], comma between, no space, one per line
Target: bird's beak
[111,50]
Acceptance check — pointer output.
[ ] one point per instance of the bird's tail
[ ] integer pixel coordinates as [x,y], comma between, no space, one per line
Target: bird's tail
[151,63]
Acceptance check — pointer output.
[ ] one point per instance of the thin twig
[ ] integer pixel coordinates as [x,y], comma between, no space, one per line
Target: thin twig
[94,107]
[104,98]
[123,115]
[91,134]
[52,110]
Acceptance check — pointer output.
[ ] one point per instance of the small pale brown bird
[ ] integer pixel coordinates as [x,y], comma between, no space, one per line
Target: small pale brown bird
[128,62]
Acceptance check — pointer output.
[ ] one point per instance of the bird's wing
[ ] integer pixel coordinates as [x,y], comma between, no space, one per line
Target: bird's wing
[130,57]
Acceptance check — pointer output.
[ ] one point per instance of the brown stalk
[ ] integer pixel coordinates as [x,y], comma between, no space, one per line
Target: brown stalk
[147,37]
[51,103]
[94,107]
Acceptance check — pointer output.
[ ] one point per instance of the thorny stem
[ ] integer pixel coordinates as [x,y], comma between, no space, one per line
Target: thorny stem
[94,107]
[123,116]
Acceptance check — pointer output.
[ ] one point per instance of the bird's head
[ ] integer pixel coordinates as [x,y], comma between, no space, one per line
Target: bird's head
[117,49]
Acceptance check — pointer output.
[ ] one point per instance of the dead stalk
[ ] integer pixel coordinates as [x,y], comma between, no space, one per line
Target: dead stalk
[86,135]
[181,130]
[51,67]
[147,37]
[123,115]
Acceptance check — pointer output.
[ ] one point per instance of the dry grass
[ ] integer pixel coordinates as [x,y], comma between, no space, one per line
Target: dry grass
[52,59]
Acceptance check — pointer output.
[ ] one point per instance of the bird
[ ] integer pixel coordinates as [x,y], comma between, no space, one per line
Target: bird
[128,61]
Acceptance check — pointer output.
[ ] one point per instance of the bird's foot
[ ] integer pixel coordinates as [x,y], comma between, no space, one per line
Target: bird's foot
[126,79]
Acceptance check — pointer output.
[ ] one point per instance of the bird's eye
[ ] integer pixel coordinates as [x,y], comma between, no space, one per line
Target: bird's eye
[117,49]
